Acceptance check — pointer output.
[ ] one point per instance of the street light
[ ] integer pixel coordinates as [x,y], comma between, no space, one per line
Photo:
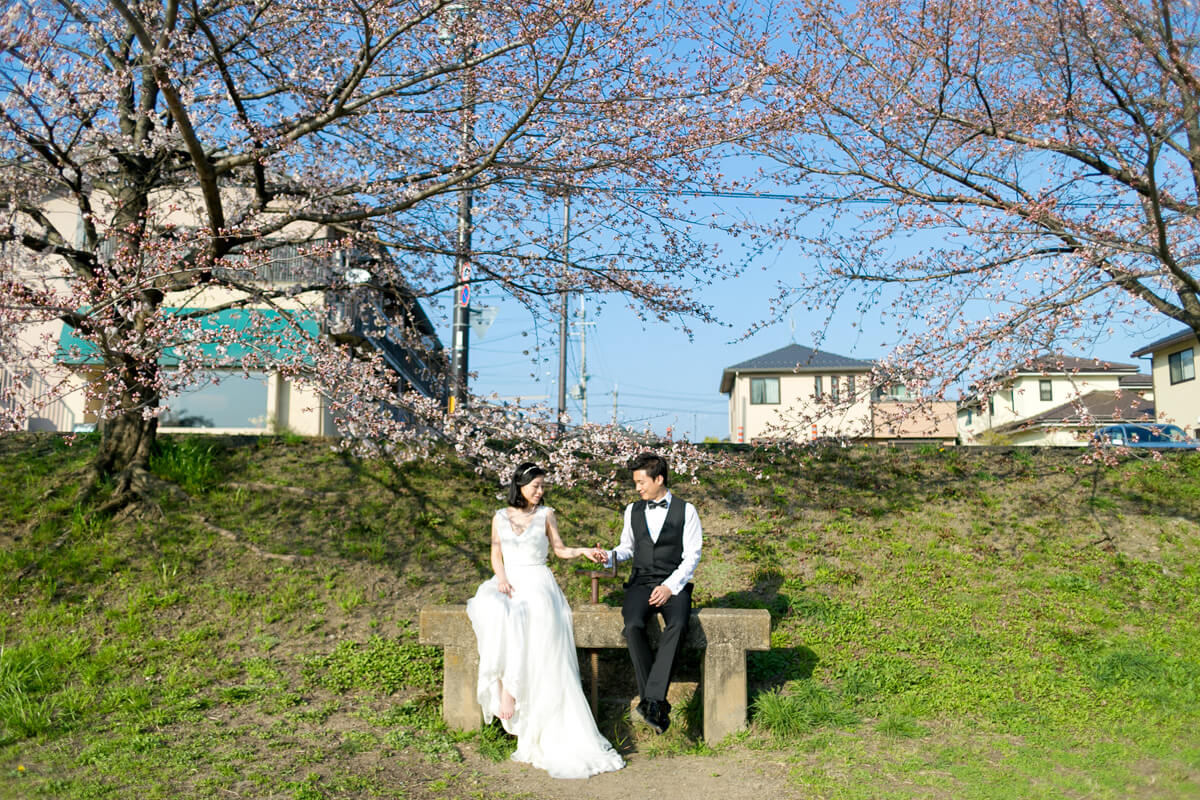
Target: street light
[461,330]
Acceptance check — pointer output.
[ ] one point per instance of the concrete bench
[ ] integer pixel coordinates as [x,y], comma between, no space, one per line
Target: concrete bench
[725,634]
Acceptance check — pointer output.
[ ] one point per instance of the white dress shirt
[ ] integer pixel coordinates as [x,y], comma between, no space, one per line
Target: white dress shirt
[693,539]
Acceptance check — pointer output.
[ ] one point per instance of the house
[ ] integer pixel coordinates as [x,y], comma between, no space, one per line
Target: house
[1071,424]
[232,399]
[1173,367]
[802,394]
[1055,400]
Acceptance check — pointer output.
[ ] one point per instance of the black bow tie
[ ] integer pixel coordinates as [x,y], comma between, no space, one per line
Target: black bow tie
[656,504]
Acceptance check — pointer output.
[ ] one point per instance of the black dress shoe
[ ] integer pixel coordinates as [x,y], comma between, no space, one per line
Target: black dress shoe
[651,714]
[664,715]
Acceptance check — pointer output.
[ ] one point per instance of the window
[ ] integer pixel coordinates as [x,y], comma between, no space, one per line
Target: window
[970,416]
[818,388]
[892,392]
[850,386]
[1183,368]
[833,388]
[220,400]
[992,406]
[1045,390]
[764,391]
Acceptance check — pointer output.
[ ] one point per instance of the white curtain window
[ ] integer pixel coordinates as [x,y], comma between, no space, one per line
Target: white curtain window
[764,391]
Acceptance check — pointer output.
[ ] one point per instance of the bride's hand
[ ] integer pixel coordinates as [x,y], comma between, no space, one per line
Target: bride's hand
[504,587]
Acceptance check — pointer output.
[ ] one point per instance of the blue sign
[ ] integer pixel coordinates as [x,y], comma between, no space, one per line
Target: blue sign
[464,297]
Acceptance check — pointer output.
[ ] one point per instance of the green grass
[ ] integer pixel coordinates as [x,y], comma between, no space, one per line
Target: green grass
[189,462]
[945,624]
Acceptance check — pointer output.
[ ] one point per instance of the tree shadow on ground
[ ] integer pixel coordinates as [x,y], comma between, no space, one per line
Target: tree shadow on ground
[772,668]
[372,512]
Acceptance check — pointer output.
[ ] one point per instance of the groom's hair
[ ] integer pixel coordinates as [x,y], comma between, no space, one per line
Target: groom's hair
[653,465]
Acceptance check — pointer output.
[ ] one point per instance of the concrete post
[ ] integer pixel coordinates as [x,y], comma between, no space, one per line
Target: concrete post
[450,628]
[723,677]
[460,675]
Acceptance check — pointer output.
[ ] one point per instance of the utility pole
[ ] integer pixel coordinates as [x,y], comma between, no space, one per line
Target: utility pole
[562,320]
[461,330]
[583,376]
[462,296]
[614,422]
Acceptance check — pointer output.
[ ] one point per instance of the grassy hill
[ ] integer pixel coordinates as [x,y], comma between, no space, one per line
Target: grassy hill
[945,623]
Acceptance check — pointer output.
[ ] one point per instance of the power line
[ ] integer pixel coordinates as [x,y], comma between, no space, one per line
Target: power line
[748,195]
[677,410]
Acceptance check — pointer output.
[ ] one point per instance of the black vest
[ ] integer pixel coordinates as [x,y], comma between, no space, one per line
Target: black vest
[653,562]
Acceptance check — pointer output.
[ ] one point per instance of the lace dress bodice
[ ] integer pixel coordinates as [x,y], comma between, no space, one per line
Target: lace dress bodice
[527,548]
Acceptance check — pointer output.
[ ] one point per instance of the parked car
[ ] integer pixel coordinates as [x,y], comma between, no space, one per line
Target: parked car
[1151,435]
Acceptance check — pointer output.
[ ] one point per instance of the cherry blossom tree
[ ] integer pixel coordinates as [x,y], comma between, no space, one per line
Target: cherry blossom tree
[1001,180]
[153,154]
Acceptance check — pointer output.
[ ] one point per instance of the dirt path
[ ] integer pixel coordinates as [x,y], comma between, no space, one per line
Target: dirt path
[731,775]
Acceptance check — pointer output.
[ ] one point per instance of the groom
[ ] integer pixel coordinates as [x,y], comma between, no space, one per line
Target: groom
[662,535]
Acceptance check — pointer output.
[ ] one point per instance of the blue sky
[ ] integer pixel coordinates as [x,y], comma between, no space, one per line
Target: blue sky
[663,378]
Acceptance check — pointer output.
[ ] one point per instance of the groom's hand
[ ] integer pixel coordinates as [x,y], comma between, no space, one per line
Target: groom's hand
[660,595]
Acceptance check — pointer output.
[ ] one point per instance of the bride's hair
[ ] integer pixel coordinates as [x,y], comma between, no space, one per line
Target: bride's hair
[524,474]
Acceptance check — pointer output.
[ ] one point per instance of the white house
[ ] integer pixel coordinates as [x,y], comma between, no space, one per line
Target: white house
[801,394]
[1055,400]
[1173,367]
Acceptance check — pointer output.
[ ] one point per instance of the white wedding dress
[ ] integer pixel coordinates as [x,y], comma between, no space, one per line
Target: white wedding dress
[528,642]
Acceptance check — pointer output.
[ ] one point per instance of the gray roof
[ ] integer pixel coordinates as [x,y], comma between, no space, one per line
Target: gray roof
[1136,381]
[794,358]
[1175,338]
[1102,408]
[1059,363]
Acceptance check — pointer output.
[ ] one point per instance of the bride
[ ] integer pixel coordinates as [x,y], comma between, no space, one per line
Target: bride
[528,668]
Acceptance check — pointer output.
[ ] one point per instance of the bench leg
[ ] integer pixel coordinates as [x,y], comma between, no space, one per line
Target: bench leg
[460,674]
[724,683]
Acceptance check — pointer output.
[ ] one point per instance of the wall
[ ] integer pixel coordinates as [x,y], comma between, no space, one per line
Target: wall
[915,420]
[797,411]
[1178,404]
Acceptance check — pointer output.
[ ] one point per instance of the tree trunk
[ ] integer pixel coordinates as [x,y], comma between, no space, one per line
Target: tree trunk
[127,440]
[125,445]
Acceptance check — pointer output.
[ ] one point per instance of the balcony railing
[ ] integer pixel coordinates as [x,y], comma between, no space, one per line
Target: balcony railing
[17,394]
[358,314]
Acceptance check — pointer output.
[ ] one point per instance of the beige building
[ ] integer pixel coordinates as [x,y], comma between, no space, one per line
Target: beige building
[801,394]
[227,399]
[1173,367]
[1056,400]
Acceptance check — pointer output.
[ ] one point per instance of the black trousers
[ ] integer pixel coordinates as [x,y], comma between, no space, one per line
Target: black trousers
[653,670]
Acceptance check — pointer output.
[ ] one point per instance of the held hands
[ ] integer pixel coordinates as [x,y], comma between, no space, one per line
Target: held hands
[596,554]
[660,595]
